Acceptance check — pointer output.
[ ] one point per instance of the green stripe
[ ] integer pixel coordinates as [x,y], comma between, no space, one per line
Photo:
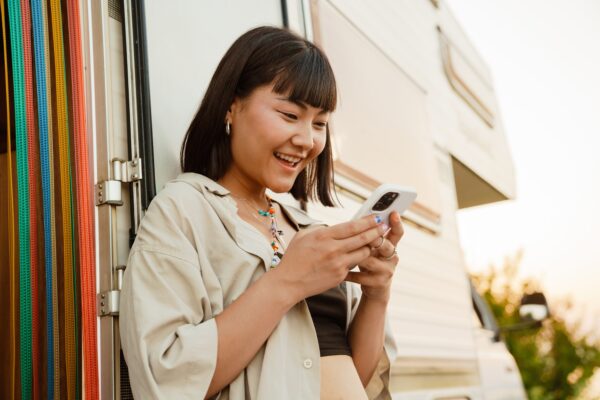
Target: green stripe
[75,292]
[16,36]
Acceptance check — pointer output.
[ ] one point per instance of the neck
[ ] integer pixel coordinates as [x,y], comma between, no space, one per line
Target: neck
[243,188]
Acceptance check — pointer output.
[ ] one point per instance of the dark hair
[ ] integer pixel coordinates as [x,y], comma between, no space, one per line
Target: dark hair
[259,57]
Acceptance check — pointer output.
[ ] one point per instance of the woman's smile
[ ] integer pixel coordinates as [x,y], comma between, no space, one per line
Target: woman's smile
[289,162]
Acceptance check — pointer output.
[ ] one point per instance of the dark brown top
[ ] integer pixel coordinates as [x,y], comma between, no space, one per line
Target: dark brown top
[328,311]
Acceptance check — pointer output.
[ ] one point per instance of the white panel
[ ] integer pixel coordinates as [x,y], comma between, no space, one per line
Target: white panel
[381,126]
[461,131]
[186,40]
[398,27]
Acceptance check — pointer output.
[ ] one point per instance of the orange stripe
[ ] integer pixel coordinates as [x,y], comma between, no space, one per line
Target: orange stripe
[84,211]
[13,276]
[65,188]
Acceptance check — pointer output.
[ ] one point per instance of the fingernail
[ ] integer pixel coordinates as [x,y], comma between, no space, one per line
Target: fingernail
[384,227]
[378,219]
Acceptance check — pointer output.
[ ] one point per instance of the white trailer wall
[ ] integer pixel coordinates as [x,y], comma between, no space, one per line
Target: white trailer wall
[186,40]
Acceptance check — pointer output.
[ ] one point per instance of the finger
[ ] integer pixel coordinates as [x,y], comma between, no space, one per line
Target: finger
[369,265]
[397,230]
[392,262]
[378,266]
[386,249]
[377,243]
[355,227]
[355,257]
[362,239]
[381,246]
[361,278]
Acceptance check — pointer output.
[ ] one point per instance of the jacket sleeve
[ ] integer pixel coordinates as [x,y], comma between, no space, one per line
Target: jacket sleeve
[168,335]
[378,387]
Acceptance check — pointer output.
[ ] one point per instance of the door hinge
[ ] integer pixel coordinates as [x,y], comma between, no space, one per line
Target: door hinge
[109,192]
[108,303]
[127,171]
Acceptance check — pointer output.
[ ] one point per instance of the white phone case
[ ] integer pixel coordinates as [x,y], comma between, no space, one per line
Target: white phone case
[406,195]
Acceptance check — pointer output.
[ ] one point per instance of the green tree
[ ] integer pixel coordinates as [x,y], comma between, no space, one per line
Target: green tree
[557,359]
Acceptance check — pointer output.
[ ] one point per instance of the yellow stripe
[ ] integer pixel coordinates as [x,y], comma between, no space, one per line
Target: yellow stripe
[12,262]
[55,310]
[65,188]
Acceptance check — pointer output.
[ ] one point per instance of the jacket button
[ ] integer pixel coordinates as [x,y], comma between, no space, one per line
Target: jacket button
[307,363]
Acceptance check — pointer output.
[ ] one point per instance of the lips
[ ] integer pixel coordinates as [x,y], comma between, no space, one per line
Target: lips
[289,160]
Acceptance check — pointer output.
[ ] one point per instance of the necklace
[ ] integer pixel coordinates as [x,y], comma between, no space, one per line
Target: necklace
[276,233]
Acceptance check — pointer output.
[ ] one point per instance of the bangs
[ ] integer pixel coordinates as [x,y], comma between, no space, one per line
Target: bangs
[307,77]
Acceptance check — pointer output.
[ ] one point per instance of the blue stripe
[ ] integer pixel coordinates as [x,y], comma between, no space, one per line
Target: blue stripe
[40,78]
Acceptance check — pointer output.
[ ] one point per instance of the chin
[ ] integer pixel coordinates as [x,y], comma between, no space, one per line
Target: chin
[280,188]
[281,185]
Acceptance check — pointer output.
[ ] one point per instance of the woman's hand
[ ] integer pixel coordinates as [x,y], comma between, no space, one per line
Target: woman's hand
[377,270]
[318,259]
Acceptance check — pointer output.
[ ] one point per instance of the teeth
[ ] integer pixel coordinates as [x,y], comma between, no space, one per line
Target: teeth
[289,159]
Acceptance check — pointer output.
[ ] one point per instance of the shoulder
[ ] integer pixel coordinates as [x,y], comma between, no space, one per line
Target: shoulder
[189,185]
[188,191]
[184,208]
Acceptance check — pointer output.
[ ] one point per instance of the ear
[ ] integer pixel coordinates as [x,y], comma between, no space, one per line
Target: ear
[234,108]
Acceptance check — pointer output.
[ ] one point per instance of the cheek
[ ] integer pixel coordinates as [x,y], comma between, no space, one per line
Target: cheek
[319,145]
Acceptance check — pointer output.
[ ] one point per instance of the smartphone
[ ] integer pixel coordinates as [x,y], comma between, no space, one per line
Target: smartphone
[385,199]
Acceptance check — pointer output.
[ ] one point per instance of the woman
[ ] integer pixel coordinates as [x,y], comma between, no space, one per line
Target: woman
[210,306]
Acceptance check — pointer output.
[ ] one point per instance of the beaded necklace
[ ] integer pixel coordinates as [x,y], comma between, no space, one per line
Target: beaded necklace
[275,232]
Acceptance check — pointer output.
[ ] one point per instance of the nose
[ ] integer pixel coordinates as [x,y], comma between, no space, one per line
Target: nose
[304,137]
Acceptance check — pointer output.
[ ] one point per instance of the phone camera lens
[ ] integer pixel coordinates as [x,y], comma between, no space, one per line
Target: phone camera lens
[385,201]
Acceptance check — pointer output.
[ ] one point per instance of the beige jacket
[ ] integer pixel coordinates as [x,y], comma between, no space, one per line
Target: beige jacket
[193,256]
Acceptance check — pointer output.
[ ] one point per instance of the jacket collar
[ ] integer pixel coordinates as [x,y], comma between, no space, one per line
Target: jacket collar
[200,182]
[225,206]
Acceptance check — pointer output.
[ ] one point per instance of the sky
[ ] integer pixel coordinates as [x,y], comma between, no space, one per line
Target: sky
[545,61]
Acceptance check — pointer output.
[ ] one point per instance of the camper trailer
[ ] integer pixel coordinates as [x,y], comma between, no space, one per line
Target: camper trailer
[417,107]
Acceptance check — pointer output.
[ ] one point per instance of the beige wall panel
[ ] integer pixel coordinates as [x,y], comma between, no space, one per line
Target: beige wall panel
[483,149]
[380,127]
[400,28]
[186,40]
[457,35]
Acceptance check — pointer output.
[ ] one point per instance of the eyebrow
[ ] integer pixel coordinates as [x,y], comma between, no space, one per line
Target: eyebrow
[299,104]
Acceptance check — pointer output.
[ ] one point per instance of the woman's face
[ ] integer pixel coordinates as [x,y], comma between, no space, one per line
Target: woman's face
[273,139]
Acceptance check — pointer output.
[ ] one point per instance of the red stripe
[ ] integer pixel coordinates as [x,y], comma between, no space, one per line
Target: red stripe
[85,229]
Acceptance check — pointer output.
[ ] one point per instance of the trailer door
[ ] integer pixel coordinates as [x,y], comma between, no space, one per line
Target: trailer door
[171,50]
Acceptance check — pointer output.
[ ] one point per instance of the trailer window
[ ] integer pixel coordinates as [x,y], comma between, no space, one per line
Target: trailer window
[467,82]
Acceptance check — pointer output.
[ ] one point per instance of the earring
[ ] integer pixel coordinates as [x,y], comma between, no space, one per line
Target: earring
[228,128]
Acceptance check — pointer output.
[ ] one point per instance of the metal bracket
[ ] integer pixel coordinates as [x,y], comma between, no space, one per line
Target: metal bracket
[108,303]
[127,171]
[109,192]
[120,269]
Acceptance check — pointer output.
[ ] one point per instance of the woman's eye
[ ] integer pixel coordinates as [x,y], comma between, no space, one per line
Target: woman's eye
[321,125]
[289,115]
